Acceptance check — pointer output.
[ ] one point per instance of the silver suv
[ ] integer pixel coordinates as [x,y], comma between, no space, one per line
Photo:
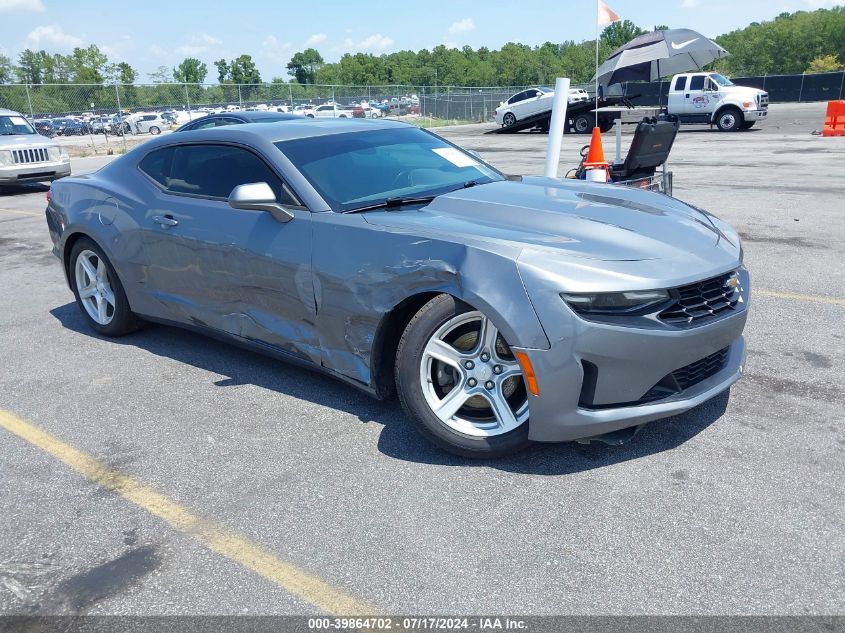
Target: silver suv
[25,155]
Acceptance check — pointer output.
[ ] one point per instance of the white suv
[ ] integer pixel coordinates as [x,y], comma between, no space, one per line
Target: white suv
[25,155]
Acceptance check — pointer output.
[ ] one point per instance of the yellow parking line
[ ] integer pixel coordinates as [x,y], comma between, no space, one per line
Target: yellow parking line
[22,212]
[213,536]
[799,297]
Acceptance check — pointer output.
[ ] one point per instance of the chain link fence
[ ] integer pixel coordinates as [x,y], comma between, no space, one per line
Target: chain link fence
[455,103]
[449,103]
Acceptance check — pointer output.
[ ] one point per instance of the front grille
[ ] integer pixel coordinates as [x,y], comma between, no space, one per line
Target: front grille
[694,373]
[702,300]
[37,155]
[764,101]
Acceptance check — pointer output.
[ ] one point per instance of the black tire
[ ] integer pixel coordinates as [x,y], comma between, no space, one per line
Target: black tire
[123,321]
[409,353]
[582,124]
[747,125]
[155,130]
[729,119]
[509,119]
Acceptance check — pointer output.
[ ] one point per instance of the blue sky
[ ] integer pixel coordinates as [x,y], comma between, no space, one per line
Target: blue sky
[152,33]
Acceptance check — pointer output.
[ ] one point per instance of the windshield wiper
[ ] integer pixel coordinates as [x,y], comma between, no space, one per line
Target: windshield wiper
[391,203]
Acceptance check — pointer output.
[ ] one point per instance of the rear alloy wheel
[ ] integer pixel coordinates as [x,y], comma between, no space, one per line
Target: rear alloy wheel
[729,120]
[509,119]
[459,381]
[99,292]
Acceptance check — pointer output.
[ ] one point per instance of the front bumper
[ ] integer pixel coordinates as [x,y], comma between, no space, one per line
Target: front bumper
[34,172]
[617,367]
[755,115]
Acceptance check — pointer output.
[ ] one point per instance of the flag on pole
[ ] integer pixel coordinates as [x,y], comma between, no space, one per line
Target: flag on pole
[606,14]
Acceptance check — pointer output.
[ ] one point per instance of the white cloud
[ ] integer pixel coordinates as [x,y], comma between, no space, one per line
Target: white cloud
[157,51]
[317,38]
[22,6]
[821,4]
[375,42]
[51,35]
[198,44]
[271,47]
[689,4]
[462,26]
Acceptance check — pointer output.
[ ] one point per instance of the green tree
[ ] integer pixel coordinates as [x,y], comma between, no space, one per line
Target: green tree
[30,67]
[6,71]
[190,71]
[824,64]
[223,72]
[88,65]
[121,73]
[244,70]
[303,66]
[161,75]
[619,33]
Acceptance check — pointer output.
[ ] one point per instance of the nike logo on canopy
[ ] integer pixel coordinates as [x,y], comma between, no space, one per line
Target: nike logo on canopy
[678,47]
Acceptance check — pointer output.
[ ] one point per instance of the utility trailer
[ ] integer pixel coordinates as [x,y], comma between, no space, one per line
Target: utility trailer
[581,116]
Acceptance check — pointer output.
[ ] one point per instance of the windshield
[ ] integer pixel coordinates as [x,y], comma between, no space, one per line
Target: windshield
[721,80]
[14,124]
[359,169]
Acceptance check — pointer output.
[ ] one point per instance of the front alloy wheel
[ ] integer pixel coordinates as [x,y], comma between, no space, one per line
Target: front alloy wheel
[460,382]
[509,119]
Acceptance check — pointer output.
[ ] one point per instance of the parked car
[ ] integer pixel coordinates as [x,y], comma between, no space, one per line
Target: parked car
[170,118]
[332,110]
[304,110]
[100,125]
[72,127]
[26,155]
[145,123]
[383,255]
[577,95]
[235,118]
[44,127]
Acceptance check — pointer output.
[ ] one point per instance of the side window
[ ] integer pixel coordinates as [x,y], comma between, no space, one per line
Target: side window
[211,171]
[530,94]
[157,165]
[202,125]
[228,121]
[680,83]
[696,82]
[517,98]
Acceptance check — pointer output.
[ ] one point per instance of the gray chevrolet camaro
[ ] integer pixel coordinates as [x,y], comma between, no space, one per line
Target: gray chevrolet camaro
[502,309]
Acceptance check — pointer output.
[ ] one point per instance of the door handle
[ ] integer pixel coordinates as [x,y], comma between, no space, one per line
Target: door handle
[166,221]
[687,95]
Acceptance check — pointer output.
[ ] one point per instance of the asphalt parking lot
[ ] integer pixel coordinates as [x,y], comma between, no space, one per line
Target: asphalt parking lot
[185,476]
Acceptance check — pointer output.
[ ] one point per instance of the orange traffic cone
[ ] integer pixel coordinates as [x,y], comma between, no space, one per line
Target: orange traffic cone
[595,164]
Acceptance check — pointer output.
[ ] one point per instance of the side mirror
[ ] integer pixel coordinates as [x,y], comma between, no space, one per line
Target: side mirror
[258,196]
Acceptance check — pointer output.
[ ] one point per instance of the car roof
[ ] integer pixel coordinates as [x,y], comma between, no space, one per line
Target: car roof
[295,128]
[7,112]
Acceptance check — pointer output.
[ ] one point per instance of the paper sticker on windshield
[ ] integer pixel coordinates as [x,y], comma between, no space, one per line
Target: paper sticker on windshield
[457,158]
[17,120]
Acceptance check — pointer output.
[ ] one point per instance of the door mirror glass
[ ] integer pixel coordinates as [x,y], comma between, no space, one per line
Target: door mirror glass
[258,196]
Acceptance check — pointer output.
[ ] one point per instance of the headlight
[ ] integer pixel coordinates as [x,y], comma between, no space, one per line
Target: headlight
[613,302]
[5,158]
[54,153]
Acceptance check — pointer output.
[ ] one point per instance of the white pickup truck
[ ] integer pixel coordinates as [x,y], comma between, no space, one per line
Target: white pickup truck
[713,99]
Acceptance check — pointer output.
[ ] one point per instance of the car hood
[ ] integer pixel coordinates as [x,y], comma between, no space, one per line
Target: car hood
[22,141]
[574,218]
[740,90]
